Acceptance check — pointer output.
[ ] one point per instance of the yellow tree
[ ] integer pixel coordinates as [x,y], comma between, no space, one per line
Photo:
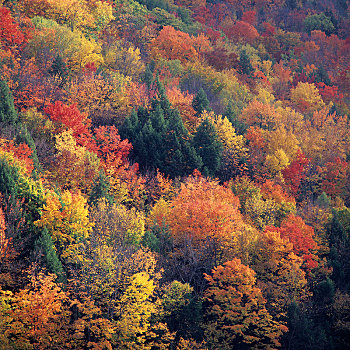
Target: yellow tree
[135,309]
[66,218]
[282,147]
[306,98]
[117,225]
[236,312]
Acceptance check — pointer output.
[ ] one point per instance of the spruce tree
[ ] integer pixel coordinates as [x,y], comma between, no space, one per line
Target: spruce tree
[8,114]
[44,244]
[200,102]
[245,67]
[24,136]
[209,147]
[8,179]
[100,189]
[160,139]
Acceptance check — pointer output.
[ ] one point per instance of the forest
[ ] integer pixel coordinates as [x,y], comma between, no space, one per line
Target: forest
[174,174]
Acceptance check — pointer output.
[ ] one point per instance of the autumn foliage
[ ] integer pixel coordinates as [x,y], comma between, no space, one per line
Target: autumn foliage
[174,174]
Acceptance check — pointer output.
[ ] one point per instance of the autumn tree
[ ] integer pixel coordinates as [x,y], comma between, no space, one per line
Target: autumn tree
[279,273]
[174,44]
[204,225]
[36,316]
[66,218]
[306,98]
[235,310]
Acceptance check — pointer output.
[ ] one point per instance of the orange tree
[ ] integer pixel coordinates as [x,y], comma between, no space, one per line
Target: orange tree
[236,313]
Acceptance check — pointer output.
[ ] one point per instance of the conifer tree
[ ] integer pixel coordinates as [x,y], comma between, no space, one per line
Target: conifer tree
[160,139]
[245,67]
[208,146]
[200,102]
[46,246]
[8,114]
[24,136]
[100,190]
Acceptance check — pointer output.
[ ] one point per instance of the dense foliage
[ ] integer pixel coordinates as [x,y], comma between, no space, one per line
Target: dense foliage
[174,174]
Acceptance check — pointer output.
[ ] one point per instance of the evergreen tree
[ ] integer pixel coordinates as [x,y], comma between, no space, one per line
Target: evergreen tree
[209,147]
[231,113]
[160,139]
[24,136]
[8,179]
[147,77]
[59,70]
[44,244]
[200,102]
[245,67]
[339,255]
[100,189]
[8,114]
[303,332]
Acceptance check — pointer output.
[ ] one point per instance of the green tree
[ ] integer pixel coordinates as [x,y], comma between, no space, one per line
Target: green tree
[100,189]
[200,102]
[160,139]
[24,136]
[208,146]
[245,66]
[45,246]
[319,22]
[8,114]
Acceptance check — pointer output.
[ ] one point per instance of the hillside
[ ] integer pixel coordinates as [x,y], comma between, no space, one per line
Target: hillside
[174,174]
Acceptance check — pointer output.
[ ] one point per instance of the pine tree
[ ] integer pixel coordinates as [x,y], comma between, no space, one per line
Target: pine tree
[208,146]
[245,67]
[24,136]
[45,245]
[160,139]
[8,179]
[100,190]
[200,102]
[231,113]
[59,70]
[8,114]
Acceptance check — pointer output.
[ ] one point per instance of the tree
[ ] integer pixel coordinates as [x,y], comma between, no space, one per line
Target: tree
[295,172]
[134,312]
[117,225]
[200,102]
[294,229]
[245,66]
[65,216]
[319,22]
[174,44]
[4,242]
[36,316]
[204,223]
[8,114]
[279,273]
[306,98]
[65,116]
[182,310]
[160,139]
[11,37]
[236,316]
[45,246]
[207,144]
